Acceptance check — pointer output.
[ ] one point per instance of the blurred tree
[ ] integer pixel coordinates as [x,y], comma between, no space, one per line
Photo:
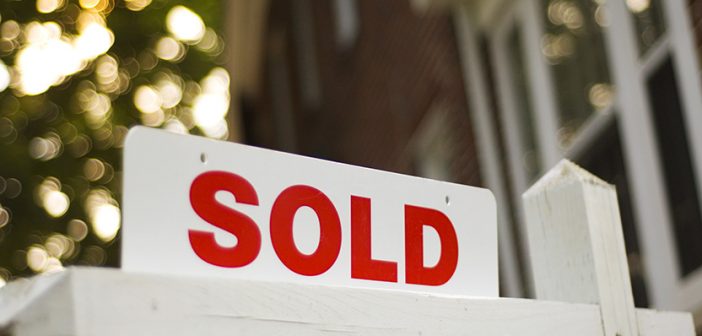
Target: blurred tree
[74,75]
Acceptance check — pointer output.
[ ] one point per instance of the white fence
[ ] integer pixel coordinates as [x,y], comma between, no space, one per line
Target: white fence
[577,254]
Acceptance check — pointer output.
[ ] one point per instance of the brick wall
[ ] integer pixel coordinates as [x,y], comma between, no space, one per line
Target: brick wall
[375,94]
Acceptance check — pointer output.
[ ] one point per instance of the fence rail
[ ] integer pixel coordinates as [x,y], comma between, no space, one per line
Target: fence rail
[577,251]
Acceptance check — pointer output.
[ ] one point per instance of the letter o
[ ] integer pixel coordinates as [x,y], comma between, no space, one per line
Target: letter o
[281,227]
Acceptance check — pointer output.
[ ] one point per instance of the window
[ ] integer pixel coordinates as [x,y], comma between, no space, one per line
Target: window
[624,81]
[573,46]
[681,182]
[648,17]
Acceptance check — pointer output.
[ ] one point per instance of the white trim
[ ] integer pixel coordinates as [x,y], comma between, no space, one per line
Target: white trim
[684,57]
[511,129]
[590,131]
[655,55]
[578,252]
[487,11]
[111,302]
[641,156]
[629,72]
[486,141]
[540,86]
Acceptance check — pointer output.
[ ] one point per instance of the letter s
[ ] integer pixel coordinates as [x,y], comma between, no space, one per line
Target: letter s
[202,199]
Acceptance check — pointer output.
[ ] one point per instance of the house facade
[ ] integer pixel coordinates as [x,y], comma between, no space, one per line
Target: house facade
[494,93]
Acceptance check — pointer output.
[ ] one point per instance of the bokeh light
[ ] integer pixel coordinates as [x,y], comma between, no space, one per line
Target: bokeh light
[94,169]
[4,77]
[77,229]
[56,203]
[137,5]
[50,55]
[48,6]
[60,246]
[210,107]
[74,77]
[10,30]
[37,258]
[638,6]
[4,217]
[169,92]
[185,25]
[95,39]
[46,148]
[146,99]
[13,188]
[50,197]
[45,60]
[167,48]
[210,43]
[52,265]
[176,126]
[106,221]
[104,214]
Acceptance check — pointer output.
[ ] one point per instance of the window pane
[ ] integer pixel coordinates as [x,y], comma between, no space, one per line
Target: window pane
[648,17]
[574,47]
[681,184]
[605,159]
[530,160]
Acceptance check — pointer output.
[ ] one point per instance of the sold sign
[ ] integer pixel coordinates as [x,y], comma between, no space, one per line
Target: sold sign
[195,206]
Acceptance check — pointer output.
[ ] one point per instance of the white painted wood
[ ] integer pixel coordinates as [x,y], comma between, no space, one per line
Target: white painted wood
[577,245]
[158,213]
[648,193]
[110,302]
[486,11]
[652,322]
[656,54]
[18,294]
[488,153]
[511,129]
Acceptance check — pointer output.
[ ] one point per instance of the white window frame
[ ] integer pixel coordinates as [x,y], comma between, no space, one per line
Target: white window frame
[668,289]
[526,15]
[629,71]
[690,85]
[511,130]
[487,144]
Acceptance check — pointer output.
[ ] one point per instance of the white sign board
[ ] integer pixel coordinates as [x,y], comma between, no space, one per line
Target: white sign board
[195,206]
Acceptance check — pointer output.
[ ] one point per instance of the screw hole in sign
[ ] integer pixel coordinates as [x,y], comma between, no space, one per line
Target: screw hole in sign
[203,158]
[448,201]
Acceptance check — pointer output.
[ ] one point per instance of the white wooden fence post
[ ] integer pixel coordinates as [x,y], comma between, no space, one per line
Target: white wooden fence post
[576,245]
[578,256]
